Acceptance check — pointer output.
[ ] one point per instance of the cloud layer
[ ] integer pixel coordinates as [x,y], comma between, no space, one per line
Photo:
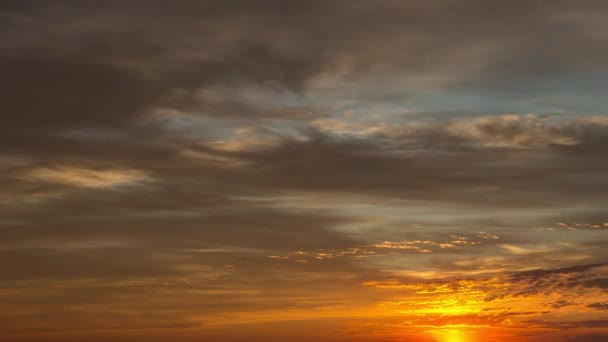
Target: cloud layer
[236,170]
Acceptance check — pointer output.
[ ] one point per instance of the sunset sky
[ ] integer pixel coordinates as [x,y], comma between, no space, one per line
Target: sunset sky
[368,171]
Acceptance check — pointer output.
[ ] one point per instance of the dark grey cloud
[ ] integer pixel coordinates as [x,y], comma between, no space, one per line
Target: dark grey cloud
[161,52]
[54,91]
[30,263]
[598,306]
[601,283]
[534,274]
[417,169]
[96,245]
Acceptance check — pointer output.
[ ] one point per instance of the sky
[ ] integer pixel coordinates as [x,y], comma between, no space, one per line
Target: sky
[405,171]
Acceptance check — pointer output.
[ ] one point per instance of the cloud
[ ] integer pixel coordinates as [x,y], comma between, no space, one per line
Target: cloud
[232,162]
[595,323]
[86,178]
[601,283]
[598,306]
[536,274]
[403,168]
[514,130]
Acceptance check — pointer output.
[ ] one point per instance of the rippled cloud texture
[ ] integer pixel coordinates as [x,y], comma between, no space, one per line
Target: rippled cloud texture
[304,171]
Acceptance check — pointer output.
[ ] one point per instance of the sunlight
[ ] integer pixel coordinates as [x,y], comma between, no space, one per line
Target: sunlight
[452,335]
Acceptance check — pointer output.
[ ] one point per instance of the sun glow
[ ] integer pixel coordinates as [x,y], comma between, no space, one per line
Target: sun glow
[453,335]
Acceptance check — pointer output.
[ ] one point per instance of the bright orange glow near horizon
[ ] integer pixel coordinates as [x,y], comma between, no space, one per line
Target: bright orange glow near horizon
[452,335]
